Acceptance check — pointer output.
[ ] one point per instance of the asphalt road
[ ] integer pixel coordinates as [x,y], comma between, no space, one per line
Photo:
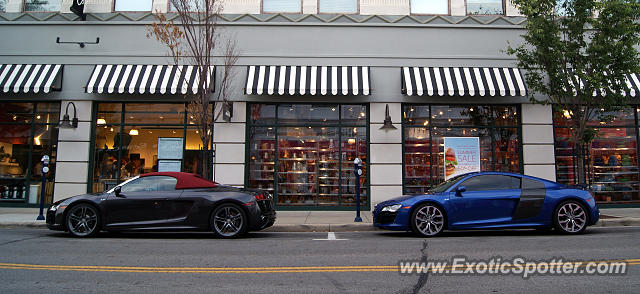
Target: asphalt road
[42,261]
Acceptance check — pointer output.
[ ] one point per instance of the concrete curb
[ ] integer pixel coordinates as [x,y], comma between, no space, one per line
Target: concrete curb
[354,227]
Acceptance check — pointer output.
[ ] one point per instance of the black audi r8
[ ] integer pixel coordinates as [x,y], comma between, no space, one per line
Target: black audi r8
[165,201]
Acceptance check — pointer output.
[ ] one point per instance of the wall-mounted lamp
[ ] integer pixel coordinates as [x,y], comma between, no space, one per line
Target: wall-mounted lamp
[65,123]
[227,111]
[387,121]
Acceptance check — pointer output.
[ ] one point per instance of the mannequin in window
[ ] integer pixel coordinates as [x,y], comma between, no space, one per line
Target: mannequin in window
[122,140]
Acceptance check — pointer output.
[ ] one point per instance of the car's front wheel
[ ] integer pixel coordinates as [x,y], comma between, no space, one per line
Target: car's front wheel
[229,221]
[570,217]
[83,220]
[427,220]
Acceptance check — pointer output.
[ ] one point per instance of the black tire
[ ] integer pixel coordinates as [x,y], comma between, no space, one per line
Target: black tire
[229,221]
[570,217]
[83,220]
[428,220]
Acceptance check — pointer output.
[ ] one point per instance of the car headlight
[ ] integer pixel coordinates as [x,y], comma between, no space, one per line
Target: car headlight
[392,208]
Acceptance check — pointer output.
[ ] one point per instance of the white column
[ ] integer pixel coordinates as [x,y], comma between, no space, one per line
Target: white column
[72,160]
[458,7]
[537,141]
[385,153]
[510,9]
[161,6]
[309,6]
[13,6]
[229,143]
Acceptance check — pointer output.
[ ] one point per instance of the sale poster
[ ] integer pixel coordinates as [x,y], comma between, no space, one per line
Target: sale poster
[461,155]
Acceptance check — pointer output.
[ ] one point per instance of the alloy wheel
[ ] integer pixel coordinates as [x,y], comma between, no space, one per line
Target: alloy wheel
[228,221]
[428,220]
[82,220]
[571,217]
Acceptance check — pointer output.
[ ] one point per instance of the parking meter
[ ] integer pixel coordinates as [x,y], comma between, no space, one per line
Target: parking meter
[357,170]
[45,169]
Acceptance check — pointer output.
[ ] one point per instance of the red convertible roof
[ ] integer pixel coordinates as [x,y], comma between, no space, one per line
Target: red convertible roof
[186,180]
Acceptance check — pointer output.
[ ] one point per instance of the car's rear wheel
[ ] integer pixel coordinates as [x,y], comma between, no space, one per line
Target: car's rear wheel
[229,221]
[427,220]
[83,220]
[570,217]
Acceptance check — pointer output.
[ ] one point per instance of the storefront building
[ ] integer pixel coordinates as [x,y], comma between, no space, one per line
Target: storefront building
[317,85]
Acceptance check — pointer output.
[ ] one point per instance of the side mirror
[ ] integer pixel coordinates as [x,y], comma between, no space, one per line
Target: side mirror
[118,191]
[459,190]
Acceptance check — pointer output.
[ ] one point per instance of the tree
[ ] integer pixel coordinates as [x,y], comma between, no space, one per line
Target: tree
[196,39]
[573,49]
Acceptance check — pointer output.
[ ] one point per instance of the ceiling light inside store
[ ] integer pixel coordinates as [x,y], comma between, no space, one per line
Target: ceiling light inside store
[133,132]
[101,121]
[111,129]
[351,141]
[38,117]
[334,109]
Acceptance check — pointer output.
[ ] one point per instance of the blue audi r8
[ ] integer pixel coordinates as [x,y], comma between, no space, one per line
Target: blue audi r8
[487,200]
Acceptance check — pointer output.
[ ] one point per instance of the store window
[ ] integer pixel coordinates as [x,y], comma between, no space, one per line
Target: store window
[485,7]
[277,6]
[27,132]
[40,5]
[338,6]
[303,153]
[135,138]
[426,126]
[611,159]
[133,5]
[430,7]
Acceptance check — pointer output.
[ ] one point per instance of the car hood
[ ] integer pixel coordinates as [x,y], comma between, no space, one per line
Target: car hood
[81,196]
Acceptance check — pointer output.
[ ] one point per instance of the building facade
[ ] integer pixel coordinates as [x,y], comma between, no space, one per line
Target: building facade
[314,80]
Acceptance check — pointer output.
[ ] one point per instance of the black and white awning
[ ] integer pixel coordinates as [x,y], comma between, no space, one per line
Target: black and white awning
[632,82]
[28,78]
[307,80]
[462,81]
[146,79]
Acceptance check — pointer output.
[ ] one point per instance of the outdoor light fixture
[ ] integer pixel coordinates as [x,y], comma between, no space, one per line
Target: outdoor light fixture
[387,121]
[65,123]
[227,111]
[133,132]
[101,121]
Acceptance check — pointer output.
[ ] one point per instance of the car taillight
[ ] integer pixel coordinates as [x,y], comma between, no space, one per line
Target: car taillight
[260,197]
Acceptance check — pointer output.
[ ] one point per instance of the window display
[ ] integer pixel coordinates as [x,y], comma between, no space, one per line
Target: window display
[27,132]
[611,159]
[127,144]
[426,126]
[305,153]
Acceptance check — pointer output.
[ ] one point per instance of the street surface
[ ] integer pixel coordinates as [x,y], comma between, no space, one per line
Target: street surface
[34,260]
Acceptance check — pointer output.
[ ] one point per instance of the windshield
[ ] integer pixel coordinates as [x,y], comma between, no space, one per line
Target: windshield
[122,184]
[439,188]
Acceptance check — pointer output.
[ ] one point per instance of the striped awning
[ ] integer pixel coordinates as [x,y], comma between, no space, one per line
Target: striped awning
[462,81]
[146,79]
[311,80]
[632,84]
[28,78]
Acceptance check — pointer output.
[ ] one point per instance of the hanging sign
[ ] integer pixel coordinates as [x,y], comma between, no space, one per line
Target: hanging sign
[461,156]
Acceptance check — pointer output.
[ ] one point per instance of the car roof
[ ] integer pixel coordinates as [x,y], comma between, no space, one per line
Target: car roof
[185,180]
[511,174]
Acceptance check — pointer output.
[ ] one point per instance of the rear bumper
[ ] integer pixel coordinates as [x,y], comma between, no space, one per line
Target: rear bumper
[262,215]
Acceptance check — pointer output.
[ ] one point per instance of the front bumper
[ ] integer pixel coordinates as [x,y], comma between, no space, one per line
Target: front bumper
[55,219]
[395,221]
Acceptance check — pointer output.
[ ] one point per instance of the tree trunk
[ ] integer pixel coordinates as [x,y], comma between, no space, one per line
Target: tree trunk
[580,164]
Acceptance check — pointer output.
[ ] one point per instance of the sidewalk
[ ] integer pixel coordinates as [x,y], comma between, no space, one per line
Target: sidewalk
[318,221]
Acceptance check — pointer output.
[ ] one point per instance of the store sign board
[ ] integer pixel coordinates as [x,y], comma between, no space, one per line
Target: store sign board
[170,148]
[169,165]
[461,155]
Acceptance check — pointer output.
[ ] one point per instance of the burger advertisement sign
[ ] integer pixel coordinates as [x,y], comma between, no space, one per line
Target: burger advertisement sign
[461,156]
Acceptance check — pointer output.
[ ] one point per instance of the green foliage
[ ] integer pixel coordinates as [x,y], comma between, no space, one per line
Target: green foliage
[573,48]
